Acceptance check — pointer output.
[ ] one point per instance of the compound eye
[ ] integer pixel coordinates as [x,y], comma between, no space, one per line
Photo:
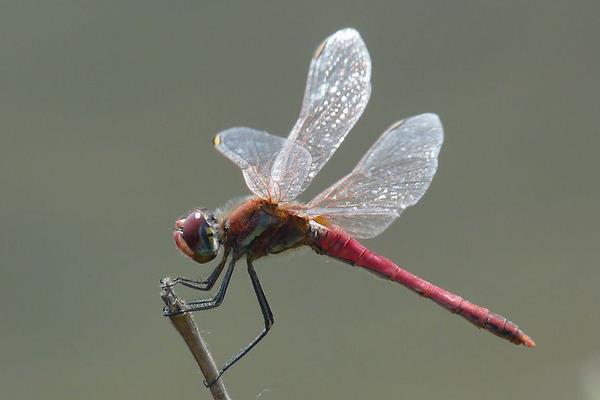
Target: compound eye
[200,237]
[192,227]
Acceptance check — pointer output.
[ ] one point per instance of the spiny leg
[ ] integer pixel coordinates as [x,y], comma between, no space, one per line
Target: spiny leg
[206,284]
[267,316]
[213,302]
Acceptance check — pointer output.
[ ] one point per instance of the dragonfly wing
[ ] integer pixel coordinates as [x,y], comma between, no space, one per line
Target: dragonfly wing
[337,92]
[394,174]
[255,152]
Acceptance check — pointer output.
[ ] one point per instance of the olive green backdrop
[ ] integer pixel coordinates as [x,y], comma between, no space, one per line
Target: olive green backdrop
[107,111]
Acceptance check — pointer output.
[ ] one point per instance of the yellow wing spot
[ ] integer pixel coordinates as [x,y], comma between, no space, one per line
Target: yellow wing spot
[395,125]
[217,140]
[319,49]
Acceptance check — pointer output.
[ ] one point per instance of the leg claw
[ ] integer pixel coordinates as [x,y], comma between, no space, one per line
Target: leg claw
[209,384]
[166,282]
[167,312]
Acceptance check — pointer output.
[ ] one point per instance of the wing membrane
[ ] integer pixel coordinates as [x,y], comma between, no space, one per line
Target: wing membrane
[394,174]
[337,92]
[255,152]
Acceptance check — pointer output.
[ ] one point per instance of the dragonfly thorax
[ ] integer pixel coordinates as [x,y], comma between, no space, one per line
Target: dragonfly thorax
[259,227]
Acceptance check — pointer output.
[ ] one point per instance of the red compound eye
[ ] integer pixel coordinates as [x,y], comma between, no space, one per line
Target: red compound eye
[196,237]
[192,227]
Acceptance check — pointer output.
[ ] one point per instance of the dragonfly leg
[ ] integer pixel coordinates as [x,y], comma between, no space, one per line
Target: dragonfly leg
[206,284]
[207,304]
[267,316]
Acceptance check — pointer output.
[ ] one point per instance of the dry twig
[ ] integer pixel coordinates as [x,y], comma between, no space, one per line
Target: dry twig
[185,325]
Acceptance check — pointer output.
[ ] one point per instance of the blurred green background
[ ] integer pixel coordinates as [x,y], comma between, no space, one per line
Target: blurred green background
[107,111]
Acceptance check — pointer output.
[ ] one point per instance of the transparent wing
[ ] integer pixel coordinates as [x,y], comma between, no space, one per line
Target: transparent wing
[255,153]
[394,174]
[337,92]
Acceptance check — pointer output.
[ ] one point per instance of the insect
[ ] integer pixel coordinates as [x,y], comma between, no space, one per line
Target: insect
[394,174]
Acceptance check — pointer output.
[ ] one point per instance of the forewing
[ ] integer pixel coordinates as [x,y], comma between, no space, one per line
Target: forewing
[337,92]
[255,152]
[394,174]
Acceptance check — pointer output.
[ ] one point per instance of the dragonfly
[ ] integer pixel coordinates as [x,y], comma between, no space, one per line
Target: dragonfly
[393,175]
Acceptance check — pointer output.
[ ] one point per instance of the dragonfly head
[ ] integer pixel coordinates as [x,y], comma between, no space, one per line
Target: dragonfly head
[197,235]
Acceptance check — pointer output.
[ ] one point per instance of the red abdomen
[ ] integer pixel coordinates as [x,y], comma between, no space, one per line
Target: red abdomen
[338,244]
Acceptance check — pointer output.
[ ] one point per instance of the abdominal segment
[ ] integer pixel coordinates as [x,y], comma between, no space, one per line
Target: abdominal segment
[340,245]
